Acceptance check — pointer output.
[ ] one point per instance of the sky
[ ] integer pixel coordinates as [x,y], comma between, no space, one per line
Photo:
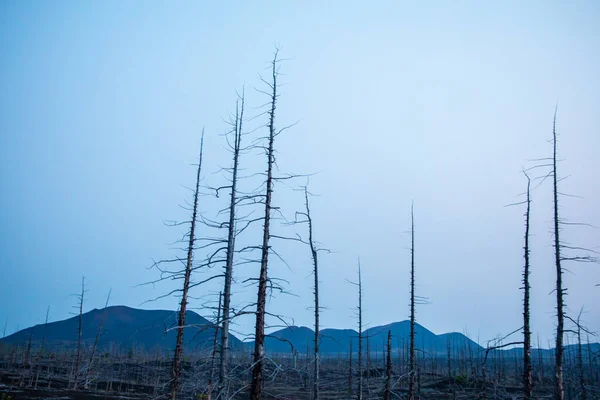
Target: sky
[442,104]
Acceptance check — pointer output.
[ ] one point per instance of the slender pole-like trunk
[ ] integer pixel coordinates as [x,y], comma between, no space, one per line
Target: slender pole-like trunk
[360,337]
[41,352]
[95,346]
[411,376]
[79,333]
[257,383]
[580,362]
[559,391]
[224,351]
[214,352]
[178,355]
[527,369]
[314,255]
[388,369]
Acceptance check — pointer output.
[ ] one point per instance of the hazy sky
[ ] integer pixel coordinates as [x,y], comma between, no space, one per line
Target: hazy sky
[102,105]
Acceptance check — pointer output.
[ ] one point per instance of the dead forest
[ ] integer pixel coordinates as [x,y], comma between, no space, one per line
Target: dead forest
[246,231]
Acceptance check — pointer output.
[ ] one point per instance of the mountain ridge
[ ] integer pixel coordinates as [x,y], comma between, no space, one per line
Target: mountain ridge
[126,328]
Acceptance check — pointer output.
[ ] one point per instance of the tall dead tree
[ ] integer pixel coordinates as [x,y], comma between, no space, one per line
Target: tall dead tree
[314,256]
[527,369]
[388,369]
[559,391]
[79,335]
[257,382]
[236,149]
[359,394]
[411,376]
[95,346]
[178,354]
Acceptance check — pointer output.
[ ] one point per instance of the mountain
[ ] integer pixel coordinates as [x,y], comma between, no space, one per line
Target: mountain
[333,341]
[124,327]
[127,328]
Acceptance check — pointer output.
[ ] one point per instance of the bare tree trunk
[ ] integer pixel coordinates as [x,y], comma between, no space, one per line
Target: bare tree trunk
[25,362]
[559,391]
[257,383]
[582,387]
[314,255]
[41,352]
[95,346]
[230,250]
[79,333]
[178,355]
[527,369]
[214,352]
[411,376]
[360,336]
[388,369]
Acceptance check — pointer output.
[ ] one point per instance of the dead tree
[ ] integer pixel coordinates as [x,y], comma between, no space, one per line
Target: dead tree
[411,376]
[257,382]
[214,349]
[236,149]
[41,352]
[579,358]
[388,369]
[360,337]
[559,390]
[359,393]
[314,255]
[79,334]
[527,369]
[95,346]
[498,345]
[178,355]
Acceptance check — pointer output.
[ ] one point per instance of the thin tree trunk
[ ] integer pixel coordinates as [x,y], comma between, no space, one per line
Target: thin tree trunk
[314,255]
[95,346]
[527,369]
[559,391]
[230,251]
[411,376]
[580,362]
[360,337]
[178,355]
[257,383]
[79,333]
[388,369]
[214,352]
[41,353]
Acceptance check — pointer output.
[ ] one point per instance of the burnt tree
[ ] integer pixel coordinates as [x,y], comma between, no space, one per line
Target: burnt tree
[231,235]
[178,354]
[257,382]
[527,369]
[411,376]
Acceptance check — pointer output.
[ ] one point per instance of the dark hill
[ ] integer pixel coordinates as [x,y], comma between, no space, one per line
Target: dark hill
[335,341]
[124,327]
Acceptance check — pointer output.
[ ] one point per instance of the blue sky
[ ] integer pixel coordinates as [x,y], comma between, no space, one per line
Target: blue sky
[102,105]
